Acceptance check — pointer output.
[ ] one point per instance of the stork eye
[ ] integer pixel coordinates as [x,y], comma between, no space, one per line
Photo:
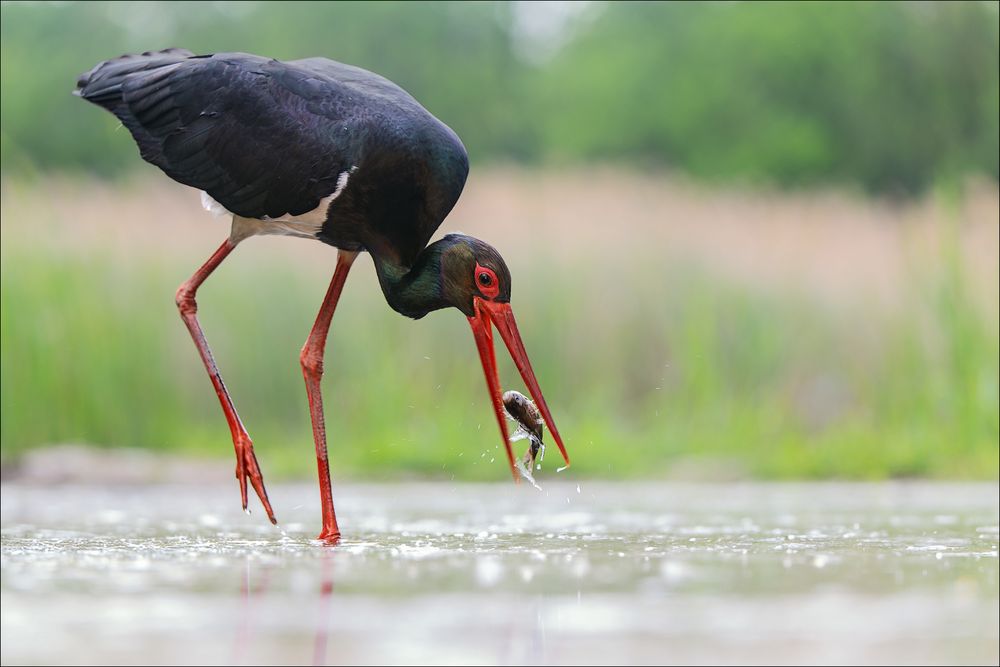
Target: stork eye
[487,281]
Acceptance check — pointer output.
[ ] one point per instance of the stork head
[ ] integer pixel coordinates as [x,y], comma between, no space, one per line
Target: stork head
[475,279]
[466,273]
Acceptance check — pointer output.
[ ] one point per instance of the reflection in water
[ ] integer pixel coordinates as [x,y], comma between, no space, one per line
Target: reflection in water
[536,649]
[523,636]
[252,599]
[325,597]
[487,574]
[243,628]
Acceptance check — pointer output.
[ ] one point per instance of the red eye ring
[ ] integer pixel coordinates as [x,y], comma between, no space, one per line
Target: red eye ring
[486,281]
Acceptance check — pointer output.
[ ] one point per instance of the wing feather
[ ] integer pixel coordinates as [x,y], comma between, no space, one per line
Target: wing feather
[242,128]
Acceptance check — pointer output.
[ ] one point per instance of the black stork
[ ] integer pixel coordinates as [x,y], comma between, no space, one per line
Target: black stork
[317,149]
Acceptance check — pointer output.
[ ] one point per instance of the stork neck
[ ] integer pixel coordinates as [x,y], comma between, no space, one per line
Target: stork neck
[412,291]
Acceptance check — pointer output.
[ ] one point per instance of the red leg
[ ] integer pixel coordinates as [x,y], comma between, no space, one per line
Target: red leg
[312,368]
[246,460]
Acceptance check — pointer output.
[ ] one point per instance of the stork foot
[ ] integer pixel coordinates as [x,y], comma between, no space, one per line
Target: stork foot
[247,469]
[329,536]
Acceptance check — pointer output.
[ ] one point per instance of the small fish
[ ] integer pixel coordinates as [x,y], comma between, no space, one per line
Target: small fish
[529,425]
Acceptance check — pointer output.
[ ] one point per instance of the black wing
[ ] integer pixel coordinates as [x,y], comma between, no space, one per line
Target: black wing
[263,138]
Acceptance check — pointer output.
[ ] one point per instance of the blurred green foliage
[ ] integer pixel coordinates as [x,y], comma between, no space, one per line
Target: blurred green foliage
[891,96]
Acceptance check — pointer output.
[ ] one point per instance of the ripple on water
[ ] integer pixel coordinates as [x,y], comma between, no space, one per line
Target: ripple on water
[630,568]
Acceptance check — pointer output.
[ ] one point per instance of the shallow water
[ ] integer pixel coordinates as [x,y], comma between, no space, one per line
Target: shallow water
[470,574]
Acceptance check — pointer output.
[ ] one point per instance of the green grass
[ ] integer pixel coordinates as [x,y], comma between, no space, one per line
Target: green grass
[687,369]
[650,370]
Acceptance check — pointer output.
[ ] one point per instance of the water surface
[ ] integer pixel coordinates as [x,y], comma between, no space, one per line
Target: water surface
[470,574]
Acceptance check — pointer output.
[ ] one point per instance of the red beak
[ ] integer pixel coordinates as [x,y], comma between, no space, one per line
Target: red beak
[501,316]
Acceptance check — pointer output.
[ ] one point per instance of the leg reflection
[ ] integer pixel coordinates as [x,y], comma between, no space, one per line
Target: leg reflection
[249,601]
[325,599]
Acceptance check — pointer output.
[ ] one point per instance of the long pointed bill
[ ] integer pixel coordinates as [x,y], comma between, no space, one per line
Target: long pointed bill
[501,316]
[483,334]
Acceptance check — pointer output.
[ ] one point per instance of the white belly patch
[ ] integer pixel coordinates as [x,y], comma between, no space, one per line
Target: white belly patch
[305,225]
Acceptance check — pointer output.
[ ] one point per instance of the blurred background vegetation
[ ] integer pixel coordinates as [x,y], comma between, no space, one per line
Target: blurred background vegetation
[763,241]
[891,96]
